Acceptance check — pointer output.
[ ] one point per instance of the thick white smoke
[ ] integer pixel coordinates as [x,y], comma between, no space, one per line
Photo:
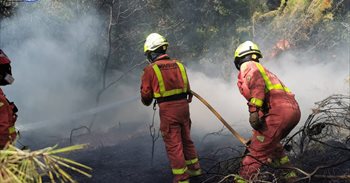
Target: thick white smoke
[309,78]
[51,61]
[56,74]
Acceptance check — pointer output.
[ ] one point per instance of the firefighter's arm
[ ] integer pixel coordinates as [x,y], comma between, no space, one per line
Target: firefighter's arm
[146,87]
[256,85]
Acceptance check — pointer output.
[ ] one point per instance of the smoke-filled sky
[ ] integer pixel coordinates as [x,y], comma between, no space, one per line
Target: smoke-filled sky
[53,64]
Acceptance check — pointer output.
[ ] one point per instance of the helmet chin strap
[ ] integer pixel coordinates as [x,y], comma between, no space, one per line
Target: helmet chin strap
[251,57]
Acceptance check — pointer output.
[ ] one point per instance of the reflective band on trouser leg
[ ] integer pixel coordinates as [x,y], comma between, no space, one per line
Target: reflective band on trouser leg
[12,129]
[284,160]
[291,174]
[192,161]
[269,85]
[162,91]
[239,179]
[257,102]
[192,172]
[179,171]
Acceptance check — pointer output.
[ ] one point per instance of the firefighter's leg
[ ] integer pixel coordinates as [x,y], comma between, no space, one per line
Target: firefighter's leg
[263,144]
[173,143]
[190,153]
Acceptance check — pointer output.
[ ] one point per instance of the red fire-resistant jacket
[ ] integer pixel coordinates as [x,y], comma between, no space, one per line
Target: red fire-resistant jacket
[171,74]
[7,120]
[263,89]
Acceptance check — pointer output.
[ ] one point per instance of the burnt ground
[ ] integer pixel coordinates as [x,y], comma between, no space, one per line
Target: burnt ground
[123,154]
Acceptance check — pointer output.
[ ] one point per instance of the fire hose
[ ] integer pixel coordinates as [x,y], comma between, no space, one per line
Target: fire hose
[223,121]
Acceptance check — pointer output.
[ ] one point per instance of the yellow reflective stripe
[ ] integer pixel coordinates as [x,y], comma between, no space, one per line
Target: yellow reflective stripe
[169,93]
[239,179]
[257,102]
[162,91]
[264,75]
[160,80]
[260,138]
[179,171]
[284,160]
[193,173]
[279,86]
[184,75]
[191,161]
[12,129]
[269,85]
[291,174]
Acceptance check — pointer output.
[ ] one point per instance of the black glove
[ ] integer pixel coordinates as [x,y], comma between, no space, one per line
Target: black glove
[255,121]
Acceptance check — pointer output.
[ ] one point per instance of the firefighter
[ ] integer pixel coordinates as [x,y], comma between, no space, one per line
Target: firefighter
[166,81]
[8,109]
[274,112]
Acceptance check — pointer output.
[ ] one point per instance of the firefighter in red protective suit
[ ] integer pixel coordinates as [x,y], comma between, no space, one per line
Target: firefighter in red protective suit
[274,112]
[8,109]
[166,81]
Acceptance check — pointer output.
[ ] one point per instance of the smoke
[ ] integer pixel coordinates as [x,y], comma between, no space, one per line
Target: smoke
[52,61]
[57,76]
[311,77]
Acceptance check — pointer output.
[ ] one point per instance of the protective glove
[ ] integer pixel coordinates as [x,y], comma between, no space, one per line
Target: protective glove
[255,121]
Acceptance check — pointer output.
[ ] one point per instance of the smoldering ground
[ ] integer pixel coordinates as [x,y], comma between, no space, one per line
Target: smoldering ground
[56,78]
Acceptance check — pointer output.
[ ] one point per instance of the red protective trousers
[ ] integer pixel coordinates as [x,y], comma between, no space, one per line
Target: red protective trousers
[276,106]
[175,122]
[7,121]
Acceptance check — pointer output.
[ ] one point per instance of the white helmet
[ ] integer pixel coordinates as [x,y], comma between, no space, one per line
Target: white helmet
[244,49]
[153,42]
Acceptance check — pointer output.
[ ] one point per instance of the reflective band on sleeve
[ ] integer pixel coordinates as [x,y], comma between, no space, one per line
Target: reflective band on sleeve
[284,160]
[269,85]
[179,171]
[192,161]
[12,129]
[162,91]
[257,102]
